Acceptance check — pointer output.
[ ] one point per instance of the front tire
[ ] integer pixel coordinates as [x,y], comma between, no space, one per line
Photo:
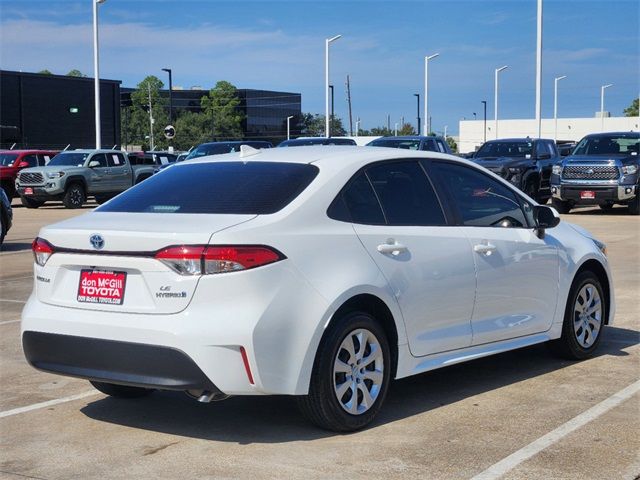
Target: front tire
[30,203]
[561,206]
[584,319]
[121,391]
[351,375]
[74,197]
[634,206]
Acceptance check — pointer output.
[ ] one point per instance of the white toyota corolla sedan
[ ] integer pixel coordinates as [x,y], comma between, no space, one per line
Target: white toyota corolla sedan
[320,272]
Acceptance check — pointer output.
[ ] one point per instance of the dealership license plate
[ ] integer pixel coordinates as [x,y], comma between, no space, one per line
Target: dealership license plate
[28,191]
[587,194]
[102,286]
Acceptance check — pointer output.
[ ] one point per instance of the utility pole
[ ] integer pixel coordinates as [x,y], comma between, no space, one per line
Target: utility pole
[389,123]
[150,118]
[417,95]
[484,103]
[349,103]
[539,71]
[331,117]
[168,70]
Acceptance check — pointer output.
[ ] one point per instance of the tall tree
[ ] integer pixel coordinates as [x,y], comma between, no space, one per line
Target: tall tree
[137,124]
[632,110]
[313,125]
[75,73]
[222,109]
[45,72]
[452,144]
[192,129]
[407,129]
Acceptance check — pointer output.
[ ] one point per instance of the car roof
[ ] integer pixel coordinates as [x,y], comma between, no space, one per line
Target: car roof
[615,134]
[327,156]
[28,151]
[93,150]
[408,137]
[518,139]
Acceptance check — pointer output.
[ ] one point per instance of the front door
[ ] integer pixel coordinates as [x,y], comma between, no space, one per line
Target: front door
[101,178]
[427,263]
[517,271]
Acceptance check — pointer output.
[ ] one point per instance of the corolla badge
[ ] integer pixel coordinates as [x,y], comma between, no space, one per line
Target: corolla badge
[97,241]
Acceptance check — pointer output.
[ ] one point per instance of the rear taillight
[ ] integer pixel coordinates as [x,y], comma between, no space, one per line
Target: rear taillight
[204,260]
[42,250]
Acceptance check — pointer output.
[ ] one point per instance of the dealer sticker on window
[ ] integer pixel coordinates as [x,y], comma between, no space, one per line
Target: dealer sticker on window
[101,286]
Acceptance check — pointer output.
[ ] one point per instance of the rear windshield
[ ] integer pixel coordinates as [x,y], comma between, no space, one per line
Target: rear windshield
[252,188]
[7,159]
[67,159]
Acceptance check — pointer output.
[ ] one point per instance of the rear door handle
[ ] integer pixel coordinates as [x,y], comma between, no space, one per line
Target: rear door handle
[392,248]
[484,248]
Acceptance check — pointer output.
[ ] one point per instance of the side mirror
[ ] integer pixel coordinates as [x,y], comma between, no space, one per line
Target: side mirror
[94,164]
[23,165]
[546,217]
[544,156]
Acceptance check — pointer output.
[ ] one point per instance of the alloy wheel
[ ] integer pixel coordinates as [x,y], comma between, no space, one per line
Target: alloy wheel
[587,315]
[358,371]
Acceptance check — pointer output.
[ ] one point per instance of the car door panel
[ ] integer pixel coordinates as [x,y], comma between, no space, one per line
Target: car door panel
[100,176]
[120,172]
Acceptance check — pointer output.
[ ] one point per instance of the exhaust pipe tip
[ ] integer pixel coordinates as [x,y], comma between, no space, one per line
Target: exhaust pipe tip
[206,396]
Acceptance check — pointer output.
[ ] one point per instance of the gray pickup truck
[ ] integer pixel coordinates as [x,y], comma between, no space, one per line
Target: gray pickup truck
[74,175]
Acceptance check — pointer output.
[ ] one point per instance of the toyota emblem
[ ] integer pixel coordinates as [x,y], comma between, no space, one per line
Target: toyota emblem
[97,241]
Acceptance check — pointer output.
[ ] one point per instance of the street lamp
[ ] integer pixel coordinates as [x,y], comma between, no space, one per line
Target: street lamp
[96,72]
[288,130]
[395,133]
[602,88]
[484,103]
[555,106]
[331,116]
[474,116]
[358,127]
[426,92]
[327,42]
[495,93]
[168,70]
[445,131]
[417,95]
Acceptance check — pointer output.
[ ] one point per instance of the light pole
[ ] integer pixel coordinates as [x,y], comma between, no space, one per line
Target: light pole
[288,129]
[445,131]
[358,126]
[495,94]
[168,70]
[417,95]
[395,133]
[555,106]
[474,116]
[539,70]
[484,103]
[331,116]
[327,42]
[427,121]
[96,72]
[602,89]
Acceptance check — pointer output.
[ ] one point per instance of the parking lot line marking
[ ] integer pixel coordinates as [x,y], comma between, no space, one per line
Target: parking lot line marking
[503,466]
[7,322]
[38,406]
[12,301]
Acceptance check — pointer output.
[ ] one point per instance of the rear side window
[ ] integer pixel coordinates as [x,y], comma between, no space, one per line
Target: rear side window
[405,193]
[115,160]
[357,203]
[252,188]
[480,200]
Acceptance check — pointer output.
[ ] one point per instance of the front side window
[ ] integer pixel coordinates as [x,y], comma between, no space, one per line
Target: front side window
[101,159]
[32,160]
[479,200]
[405,193]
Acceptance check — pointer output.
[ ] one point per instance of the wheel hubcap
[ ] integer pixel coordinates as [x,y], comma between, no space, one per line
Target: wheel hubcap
[358,371]
[587,315]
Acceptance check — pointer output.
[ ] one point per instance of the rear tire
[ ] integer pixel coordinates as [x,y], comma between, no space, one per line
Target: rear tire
[351,375]
[634,206]
[531,190]
[561,206]
[584,319]
[30,203]
[74,197]
[121,391]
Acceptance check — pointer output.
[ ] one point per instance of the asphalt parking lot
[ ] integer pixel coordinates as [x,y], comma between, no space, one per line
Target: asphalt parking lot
[522,415]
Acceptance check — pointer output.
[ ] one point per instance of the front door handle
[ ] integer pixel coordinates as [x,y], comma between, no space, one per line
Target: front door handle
[394,248]
[484,248]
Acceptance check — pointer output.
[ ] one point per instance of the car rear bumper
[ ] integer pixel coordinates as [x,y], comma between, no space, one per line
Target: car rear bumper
[603,194]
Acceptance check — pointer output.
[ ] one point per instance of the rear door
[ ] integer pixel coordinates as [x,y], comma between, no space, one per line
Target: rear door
[429,265]
[518,272]
[120,172]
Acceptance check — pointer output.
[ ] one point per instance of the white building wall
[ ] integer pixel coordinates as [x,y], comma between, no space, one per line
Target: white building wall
[471,134]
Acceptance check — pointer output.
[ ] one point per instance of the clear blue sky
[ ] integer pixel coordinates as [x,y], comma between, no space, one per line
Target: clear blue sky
[280,46]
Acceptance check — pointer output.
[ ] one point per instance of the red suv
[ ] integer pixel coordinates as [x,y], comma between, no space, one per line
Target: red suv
[12,161]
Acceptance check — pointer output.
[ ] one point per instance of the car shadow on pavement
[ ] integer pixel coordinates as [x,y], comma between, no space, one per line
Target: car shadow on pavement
[275,419]
[614,212]
[15,247]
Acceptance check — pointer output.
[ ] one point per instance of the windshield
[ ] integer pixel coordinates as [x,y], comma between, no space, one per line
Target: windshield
[505,149]
[406,144]
[7,159]
[68,159]
[608,145]
[254,188]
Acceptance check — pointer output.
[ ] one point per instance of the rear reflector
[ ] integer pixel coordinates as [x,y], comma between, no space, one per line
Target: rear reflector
[203,259]
[42,250]
[247,368]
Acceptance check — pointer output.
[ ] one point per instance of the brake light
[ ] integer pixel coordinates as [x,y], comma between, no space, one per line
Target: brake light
[42,250]
[205,260]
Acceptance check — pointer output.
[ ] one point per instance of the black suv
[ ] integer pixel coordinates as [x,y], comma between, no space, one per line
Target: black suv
[524,162]
[602,170]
